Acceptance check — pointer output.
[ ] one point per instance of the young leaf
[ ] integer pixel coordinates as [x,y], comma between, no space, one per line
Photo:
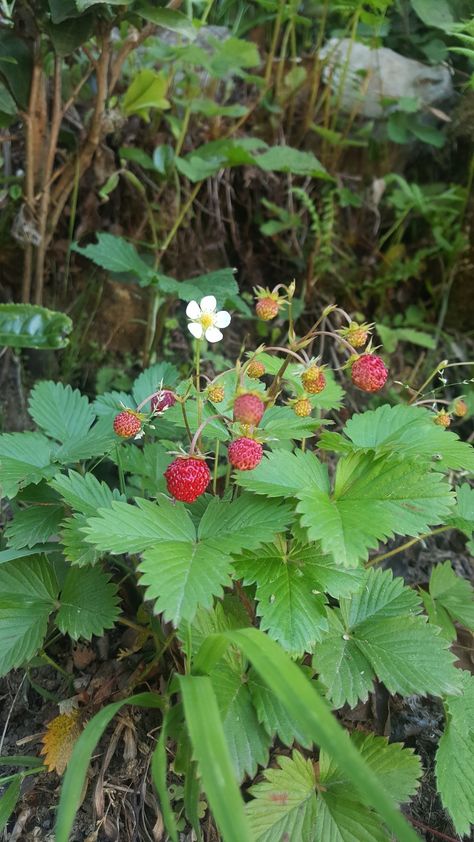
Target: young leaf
[88,603]
[146,91]
[403,432]
[284,474]
[34,525]
[63,413]
[75,548]
[247,740]
[373,499]
[24,458]
[453,593]
[28,593]
[454,767]
[377,632]
[116,255]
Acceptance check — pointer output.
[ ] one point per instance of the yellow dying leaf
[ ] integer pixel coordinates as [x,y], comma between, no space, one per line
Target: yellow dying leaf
[59,739]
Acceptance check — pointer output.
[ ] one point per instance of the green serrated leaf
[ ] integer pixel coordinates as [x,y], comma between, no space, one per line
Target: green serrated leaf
[75,547]
[28,593]
[124,528]
[273,715]
[462,516]
[116,255]
[83,492]
[404,432]
[88,603]
[285,804]
[284,474]
[34,525]
[454,767]
[244,523]
[63,413]
[247,740]
[162,374]
[24,458]
[373,500]
[281,423]
[378,632]
[453,593]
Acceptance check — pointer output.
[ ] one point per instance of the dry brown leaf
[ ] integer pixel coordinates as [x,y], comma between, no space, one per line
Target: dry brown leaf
[59,740]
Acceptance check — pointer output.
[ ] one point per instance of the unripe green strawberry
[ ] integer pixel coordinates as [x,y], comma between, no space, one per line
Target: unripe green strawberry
[245,454]
[460,408]
[267,308]
[313,380]
[187,478]
[216,394]
[255,369]
[249,409]
[369,373]
[442,418]
[302,407]
[127,424]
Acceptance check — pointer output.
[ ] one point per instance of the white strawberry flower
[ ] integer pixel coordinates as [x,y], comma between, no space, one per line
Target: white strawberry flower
[205,321]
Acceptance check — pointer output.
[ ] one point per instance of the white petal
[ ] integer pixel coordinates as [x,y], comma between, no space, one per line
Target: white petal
[212,334]
[193,310]
[222,319]
[196,329]
[208,304]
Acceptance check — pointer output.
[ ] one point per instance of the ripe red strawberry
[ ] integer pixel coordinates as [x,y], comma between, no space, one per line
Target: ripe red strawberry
[313,379]
[245,454]
[255,369]
[302,407]
[127,424]
[216,394]
[369,373]
[187,478]
[442,418]
[460,408]
[162,400]
[267,308]
[248,409]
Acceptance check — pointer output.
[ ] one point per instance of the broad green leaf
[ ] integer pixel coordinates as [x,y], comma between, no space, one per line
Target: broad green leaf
[244,523]
[223,616]
[378,632]
[63,413]
[30,326]
[318,804]
[28,593]
[211,108]
[454,767]
[281,423]
[97,441]
[34,525]
[75,547]
[40,549]
[206,732]
[247,740]
[404,432]
[290,602]
[285,803]
[182,576]
[70,34]
[438,14]
[287,159]
[453,593]
[76,772]
[167,19]
[123,528]
[273,715]
[373,499]
[24,458]
[83,492]
[147,90]
[284,474]
[88,603]
[8,801]
[303,702]
[116,255]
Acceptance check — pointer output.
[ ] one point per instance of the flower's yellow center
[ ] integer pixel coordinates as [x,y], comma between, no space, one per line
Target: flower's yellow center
[207,320]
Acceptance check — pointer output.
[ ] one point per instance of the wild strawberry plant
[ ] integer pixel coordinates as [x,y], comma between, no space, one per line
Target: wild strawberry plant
[254,536]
